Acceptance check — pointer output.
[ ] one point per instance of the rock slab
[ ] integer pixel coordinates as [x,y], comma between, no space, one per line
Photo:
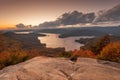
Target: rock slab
[44,68]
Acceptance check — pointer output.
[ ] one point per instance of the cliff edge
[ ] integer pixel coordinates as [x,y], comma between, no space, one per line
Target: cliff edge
[44,68]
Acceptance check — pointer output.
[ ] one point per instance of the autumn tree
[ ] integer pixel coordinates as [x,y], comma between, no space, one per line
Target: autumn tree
[98,46]
[111,52]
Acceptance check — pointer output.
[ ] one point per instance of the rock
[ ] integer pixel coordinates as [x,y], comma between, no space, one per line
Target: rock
[44,68]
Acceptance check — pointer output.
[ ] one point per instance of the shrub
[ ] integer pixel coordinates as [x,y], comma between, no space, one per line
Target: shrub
[8,58]
[65,54]
[98,46]
[84,53]
[111,52]
[11,52]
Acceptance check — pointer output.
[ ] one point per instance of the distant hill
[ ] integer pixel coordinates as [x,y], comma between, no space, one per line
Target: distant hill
[110,15]
[84,31]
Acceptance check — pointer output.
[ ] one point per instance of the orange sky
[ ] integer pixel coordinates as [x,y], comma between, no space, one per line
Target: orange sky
[35,12]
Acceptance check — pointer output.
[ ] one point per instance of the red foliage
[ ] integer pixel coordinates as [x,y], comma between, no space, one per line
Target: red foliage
[84,53]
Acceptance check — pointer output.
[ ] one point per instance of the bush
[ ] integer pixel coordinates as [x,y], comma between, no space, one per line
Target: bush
[111,52]
[84,53]
[65,54]
[8,58]
[98,46]
[11,52]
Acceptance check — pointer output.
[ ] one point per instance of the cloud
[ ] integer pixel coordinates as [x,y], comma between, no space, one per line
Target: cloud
[70,18]
[110,15]
[76,17]
[20,25]
[50,24]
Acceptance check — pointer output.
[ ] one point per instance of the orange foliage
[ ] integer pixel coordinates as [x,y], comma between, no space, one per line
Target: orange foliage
[111,52]
[11,52]
[84,53]
[9,58]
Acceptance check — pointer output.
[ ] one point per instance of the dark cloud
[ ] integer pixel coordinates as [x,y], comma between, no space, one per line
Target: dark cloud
[76,17]
[49,24]
[110,15]
[72,18]
[20,25]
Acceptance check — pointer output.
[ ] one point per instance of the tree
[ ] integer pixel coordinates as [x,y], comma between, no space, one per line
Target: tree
[111,52]
[98,46]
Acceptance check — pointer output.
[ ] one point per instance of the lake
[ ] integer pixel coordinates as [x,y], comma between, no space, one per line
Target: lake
[53,41]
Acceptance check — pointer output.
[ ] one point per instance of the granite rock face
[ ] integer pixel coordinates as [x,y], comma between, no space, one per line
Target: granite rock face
[44,68]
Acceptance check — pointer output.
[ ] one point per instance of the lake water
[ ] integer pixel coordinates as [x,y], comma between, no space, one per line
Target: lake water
[53,41]
[25,32]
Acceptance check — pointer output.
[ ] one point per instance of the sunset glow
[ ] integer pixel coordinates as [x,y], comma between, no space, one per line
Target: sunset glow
[35,12]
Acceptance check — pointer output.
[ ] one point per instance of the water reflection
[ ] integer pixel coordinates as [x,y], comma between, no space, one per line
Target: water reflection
[25,32]
[53,41]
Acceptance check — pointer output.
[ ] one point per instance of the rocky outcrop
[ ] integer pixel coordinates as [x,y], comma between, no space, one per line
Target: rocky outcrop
[44,68]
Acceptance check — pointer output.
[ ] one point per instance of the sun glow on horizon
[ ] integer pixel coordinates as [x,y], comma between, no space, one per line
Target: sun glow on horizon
[35,12]
[26,21]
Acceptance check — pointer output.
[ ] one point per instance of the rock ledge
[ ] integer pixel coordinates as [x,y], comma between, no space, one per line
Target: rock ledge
[44,68]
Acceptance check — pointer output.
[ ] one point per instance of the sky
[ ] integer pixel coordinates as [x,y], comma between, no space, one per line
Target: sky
[35,12]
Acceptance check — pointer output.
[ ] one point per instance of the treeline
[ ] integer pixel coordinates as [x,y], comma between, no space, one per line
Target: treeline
[103,48]
[13,51]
